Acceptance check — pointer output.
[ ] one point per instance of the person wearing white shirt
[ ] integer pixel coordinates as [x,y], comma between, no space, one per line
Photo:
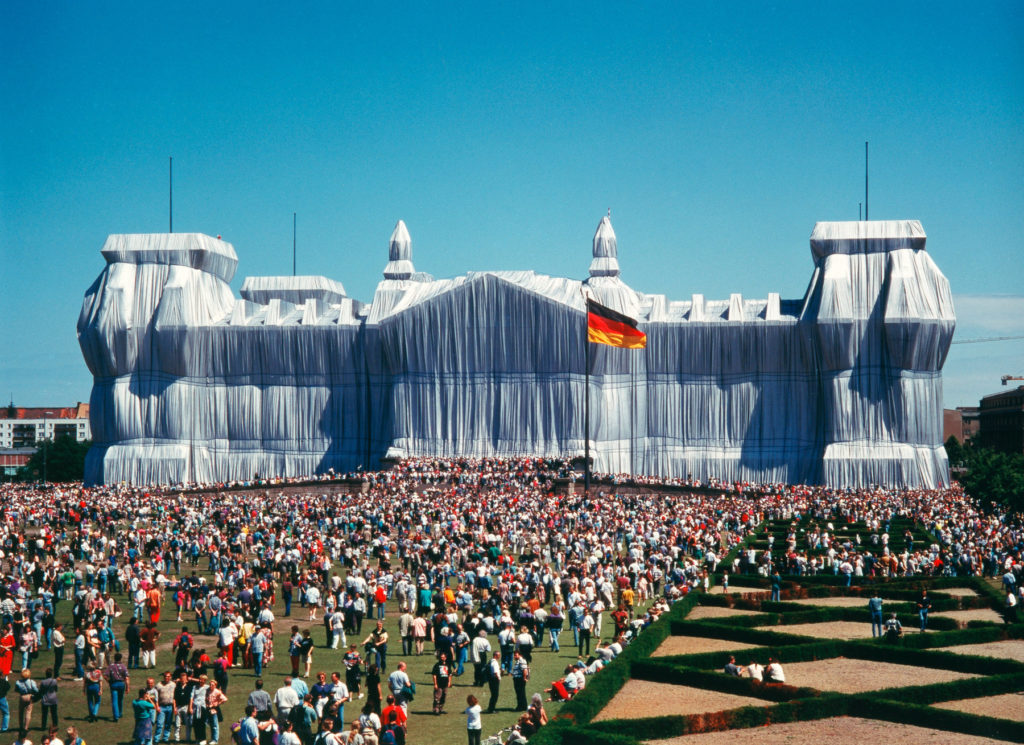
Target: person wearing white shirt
[285,699]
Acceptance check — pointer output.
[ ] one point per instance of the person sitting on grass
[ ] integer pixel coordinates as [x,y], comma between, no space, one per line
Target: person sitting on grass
[565,688]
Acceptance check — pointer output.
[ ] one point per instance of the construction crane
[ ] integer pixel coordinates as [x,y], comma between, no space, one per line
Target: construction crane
[987,338]
[1007,378]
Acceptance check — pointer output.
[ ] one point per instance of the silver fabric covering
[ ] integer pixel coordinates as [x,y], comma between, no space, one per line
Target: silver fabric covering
[843,387]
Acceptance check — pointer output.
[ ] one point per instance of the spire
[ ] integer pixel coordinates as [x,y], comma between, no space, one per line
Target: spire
[399,254]
[606,262]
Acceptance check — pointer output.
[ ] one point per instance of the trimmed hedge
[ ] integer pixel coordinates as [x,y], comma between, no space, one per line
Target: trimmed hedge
[603,686]
[661,672]
[651,728]
[933,718]
[734,633]
[962,663]
[910,705]
[955,690]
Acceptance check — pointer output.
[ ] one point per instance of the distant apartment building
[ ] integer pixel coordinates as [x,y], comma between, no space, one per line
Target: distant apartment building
[25,427]
[1002,421]
[962,423]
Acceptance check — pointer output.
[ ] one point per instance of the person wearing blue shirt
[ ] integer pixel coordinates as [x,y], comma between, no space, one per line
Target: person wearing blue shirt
[875,608]
[249,732]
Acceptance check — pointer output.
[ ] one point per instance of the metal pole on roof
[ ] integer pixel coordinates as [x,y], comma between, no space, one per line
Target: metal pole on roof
[865,180]
[170,194]
[293,244]
[860,210]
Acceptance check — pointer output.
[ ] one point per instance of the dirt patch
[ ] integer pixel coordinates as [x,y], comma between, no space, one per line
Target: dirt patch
[958,591]
[839,729]
[827,630]
[847,675]
[1007,706]
[739,591]
[696,644]
[642,698]
[978,614]
[840,602]
[702,612]
[1011,649]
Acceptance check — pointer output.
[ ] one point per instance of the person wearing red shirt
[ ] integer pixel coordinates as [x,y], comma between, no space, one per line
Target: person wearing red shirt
[394,716]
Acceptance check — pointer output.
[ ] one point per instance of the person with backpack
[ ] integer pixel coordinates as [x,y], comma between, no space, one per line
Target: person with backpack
[326,734]
[182,647]
[392,732]
[304,718]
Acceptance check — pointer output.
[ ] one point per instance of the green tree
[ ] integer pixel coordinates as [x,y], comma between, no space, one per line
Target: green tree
[955,451]
[995,478]
[65,460]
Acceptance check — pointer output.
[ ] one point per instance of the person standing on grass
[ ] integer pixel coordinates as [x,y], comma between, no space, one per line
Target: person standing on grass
[304,718]
[144,710]
[118,679]
[7,646]
[27,690]
[197,708]
[182,646]
[215,698]
[92,684]
[377,642]
[306,651]
[133,637]
[285,699]
[59,641]
[494,681]
[337,628]
[220,670]
[585,631]
[48,697]
[441,674]
[474,720]
[29,645]
[154,602]
[182,701]
[258,647]
[249,731]
[520,676]
[295,650]
[398,681]
[5,709]
[353,671]
[164,708]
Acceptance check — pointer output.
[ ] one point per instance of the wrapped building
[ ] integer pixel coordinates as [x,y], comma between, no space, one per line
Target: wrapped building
[842,387]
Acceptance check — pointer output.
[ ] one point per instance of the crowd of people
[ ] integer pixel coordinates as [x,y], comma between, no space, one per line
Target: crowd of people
[481,562]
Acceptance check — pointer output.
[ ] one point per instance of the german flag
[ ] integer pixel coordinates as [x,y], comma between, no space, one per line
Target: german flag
[606,326]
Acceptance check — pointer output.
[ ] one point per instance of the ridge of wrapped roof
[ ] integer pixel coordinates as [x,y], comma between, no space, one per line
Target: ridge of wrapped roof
[195,250]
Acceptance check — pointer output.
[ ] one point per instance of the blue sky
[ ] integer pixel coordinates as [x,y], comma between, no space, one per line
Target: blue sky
[718,133]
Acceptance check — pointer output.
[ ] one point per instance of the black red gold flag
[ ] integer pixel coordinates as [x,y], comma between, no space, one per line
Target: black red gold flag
[606,326]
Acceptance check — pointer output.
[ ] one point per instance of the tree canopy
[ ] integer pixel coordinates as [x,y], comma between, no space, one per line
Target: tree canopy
[65,461]
[991,476]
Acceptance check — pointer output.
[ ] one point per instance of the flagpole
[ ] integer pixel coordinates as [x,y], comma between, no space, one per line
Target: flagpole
[586,411]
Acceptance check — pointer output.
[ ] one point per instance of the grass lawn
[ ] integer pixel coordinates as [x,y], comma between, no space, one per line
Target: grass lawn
[424,726]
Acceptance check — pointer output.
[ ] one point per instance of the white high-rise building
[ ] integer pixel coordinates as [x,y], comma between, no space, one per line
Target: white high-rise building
[25,427]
